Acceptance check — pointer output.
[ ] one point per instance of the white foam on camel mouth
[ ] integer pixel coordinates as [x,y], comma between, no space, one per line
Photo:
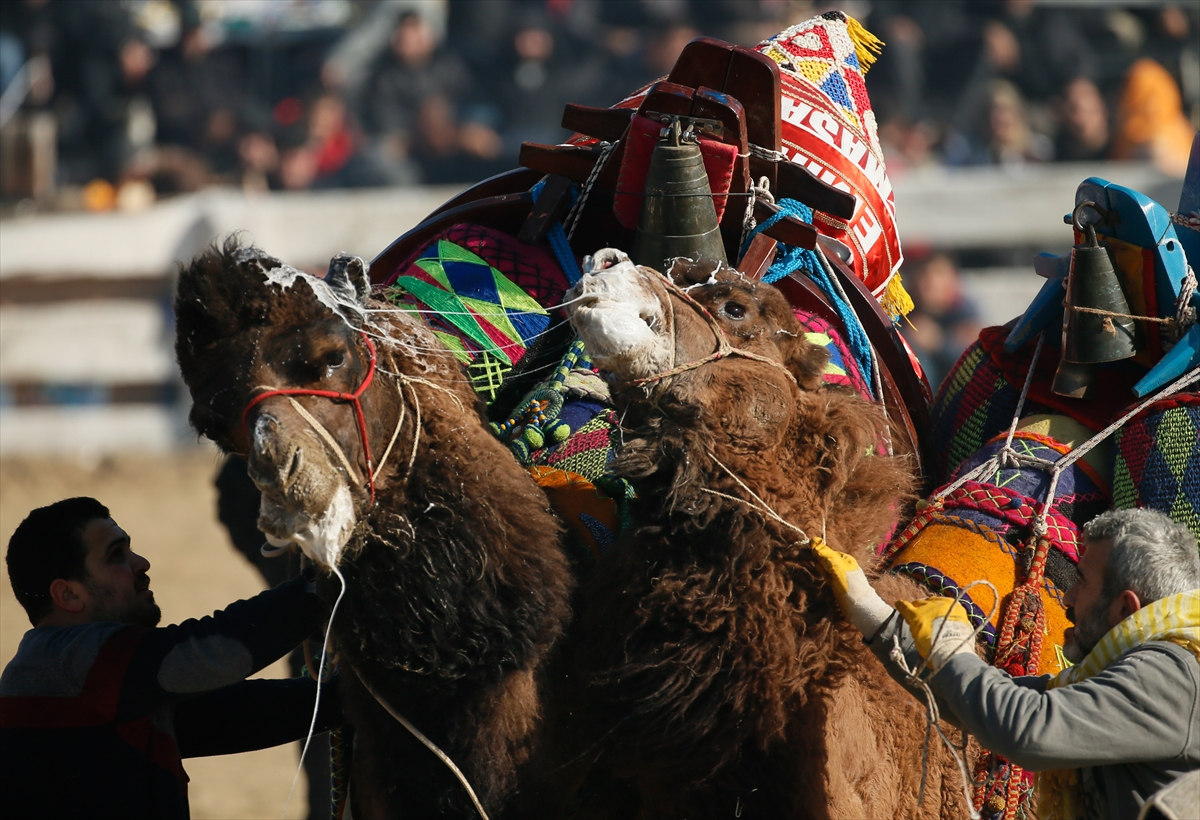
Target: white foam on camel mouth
[621,321]
[321,539]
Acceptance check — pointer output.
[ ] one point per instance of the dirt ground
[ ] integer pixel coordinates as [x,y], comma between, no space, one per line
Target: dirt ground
[168,506]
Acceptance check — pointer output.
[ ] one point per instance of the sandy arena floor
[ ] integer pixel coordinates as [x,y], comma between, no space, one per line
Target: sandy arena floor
[168,506]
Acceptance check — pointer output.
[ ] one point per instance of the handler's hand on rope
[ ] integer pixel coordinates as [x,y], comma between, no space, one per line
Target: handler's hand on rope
[861,605]
[929,615]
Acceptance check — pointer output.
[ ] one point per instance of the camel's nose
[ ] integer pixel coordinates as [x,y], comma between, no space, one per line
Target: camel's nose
[275,461]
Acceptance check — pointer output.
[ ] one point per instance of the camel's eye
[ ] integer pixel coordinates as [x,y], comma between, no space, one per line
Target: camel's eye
[333,360]
[733,310]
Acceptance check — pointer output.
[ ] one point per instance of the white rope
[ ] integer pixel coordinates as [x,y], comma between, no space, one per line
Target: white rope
[317,704]
[429,744]
[395,433]
[761,506]
[1185,314]
[1006,455]
[877,377]
[412,456]
[485,313]
[1083,449]
[766,153]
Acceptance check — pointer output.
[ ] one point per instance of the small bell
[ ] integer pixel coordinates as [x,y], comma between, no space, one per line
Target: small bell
[678,217]
[1096,323]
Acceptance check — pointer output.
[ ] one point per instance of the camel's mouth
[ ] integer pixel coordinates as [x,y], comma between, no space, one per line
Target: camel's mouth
[321,537]
[620,319]
[305,499]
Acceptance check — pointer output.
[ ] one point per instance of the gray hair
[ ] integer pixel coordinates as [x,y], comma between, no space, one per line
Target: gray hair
[1151,555]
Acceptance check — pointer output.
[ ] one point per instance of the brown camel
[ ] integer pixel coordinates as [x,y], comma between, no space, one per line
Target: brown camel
[712,673]
[367,443]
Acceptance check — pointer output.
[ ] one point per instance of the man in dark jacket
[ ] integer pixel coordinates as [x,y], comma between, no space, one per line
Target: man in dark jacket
[99,706]
[1125,719]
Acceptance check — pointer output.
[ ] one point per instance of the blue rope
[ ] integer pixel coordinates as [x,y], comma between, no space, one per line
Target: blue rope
[789,258]
[558,240]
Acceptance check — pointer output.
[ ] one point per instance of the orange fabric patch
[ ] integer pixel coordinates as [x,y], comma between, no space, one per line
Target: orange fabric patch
[585,509]
[971,552]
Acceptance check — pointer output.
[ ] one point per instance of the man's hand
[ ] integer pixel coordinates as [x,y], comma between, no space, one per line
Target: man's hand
[861,605]
[940,628]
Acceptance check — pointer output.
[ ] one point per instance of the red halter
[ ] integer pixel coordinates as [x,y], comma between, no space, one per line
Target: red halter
[353,398]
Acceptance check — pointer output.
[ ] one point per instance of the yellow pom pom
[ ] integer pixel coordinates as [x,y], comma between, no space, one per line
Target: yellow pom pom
[866,45]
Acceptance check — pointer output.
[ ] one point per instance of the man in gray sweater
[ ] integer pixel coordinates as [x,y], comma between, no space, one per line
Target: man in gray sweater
[1126,715]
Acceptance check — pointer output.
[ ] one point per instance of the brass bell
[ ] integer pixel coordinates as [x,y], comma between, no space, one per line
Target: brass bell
[678,217]
[1096,323]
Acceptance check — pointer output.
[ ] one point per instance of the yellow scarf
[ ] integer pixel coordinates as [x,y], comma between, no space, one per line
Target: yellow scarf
[1175,618]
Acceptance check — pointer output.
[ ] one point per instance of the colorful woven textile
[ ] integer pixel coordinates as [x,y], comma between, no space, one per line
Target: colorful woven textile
[1117,378]
[842,370]
[482,293]
[975,403]
[1157,460]
[532,268]
[485,311]
[829,127]
[945,551]
[1079,495]
[590,513]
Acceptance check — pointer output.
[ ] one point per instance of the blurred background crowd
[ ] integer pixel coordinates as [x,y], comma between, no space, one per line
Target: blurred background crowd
[117,104]
[145,98]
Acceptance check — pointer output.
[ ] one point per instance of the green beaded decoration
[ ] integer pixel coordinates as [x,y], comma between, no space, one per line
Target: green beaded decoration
[536,424]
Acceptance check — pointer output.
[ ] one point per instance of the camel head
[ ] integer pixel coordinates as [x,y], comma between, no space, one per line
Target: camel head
[639,325]
[249,325]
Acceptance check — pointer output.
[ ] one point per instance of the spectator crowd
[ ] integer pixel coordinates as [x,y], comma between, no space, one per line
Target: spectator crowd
[175,95]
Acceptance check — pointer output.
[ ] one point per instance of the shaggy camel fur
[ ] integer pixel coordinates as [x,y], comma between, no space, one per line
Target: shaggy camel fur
[456,586]
[713,675]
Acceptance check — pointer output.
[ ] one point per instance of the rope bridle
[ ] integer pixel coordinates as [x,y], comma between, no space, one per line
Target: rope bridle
[334,395]
[724,348]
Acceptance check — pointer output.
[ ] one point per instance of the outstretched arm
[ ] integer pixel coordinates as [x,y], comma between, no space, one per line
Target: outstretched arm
[254,714]
[1147,701]
[200,655]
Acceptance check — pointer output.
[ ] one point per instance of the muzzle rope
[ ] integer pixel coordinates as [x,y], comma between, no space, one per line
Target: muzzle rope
[724,348]
[761,505]
[327,437]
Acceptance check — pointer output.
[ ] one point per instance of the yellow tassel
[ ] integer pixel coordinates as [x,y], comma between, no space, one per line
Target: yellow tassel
[895,300]
[866,47]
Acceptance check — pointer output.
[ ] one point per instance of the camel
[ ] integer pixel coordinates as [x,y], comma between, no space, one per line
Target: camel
[711,674]
[369,448]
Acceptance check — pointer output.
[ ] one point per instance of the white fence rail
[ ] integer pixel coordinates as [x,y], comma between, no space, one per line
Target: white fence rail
[84,299]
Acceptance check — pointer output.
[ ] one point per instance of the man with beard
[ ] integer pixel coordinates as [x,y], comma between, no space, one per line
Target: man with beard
[100,705]
[1105,734]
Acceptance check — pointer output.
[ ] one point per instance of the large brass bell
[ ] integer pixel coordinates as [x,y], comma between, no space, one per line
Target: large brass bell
[1096,324]
[678,217]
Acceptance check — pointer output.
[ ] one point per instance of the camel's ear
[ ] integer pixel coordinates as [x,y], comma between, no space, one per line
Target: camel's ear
[348,277]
